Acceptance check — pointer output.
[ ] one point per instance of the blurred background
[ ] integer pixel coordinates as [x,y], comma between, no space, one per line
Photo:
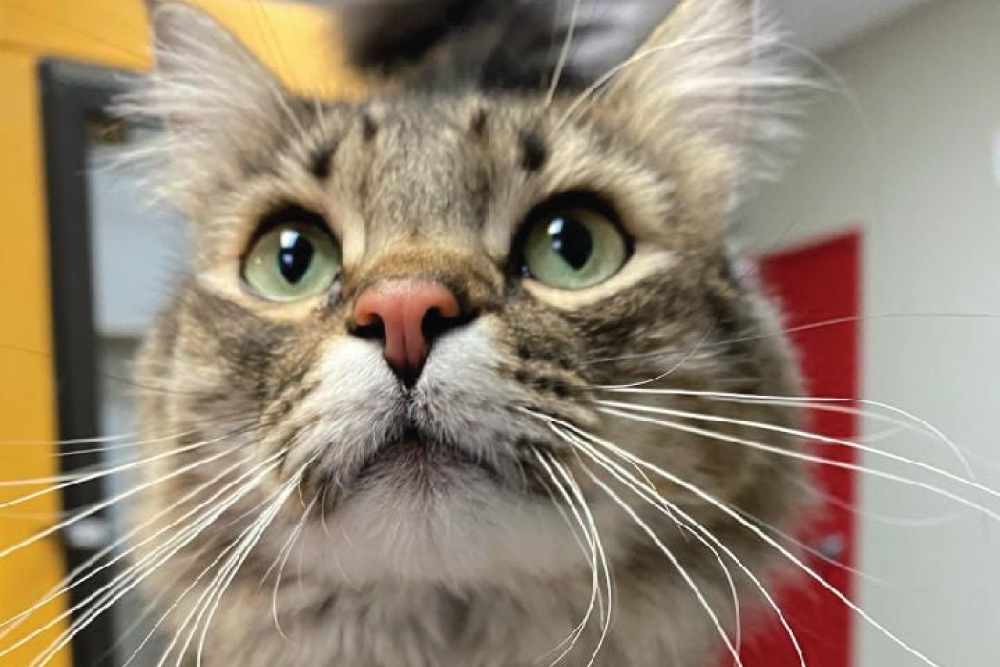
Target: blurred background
[882,241]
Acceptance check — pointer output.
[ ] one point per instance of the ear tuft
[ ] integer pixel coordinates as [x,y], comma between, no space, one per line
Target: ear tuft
[204,72]
[717,79]
[217,101]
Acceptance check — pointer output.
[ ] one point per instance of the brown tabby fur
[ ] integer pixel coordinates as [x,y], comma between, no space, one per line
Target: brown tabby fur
[455,555]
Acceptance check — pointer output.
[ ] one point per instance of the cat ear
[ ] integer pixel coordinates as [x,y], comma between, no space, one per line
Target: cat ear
[220,107]
[712,83]
[206,86]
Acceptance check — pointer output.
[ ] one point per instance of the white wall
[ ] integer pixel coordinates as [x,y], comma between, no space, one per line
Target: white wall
[924,188]
[139,247]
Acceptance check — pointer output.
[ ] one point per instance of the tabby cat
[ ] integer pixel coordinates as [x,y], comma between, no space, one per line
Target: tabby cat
[454,378]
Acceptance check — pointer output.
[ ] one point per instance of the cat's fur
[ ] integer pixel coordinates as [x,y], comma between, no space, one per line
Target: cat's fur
[436,561]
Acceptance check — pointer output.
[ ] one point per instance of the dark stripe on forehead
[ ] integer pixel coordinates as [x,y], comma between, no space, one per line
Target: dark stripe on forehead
[534,152]
[319,163]
[369,127]
[478,126]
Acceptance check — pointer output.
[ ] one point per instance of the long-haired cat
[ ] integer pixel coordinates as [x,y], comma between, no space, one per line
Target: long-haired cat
[454,378]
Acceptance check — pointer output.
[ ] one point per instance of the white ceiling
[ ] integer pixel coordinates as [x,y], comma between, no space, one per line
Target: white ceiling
[824,24]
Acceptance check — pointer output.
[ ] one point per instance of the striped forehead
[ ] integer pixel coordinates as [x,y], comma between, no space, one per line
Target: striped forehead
[426,169]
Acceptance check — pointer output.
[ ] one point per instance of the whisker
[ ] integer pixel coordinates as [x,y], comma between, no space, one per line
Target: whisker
[685,575]
[60,482]
[229,571]
[111,442]
[813,459]
[127,580]
[818,403]
[896,521]
[812,551]
[222,554]
[801,434]
[78,441]
[70,581]
[563,55]
[649,493]
[282,557]
[177,601]
[834,321]
[591,556]
[571,483]
[691,353]
[758,532]
[122,578]
[109,594]
[97,507]
[595,595]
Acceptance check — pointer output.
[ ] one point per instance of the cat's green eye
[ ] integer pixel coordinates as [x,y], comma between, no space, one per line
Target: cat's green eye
[292,261]
[572,247]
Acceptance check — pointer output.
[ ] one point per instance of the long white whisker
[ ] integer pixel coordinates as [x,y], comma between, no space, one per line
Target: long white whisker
[791,557]
[97,507]
[649,493]
[240,557]
[834,321]
[645,490]
[184,593]
[791,453]
[666,508]
[820,403]
[690,354]
[281,560]
[907,522]
[230,571]
[563,54]
[799,433]
[809,549]
[571,483]
[74,479]
[685,575]
[198,606]
[71,581]
[595,594]
[127,580]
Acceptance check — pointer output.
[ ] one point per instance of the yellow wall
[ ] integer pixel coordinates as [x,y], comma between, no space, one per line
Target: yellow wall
[291,39]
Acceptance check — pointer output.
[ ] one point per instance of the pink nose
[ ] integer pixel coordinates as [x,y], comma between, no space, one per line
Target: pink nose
[407,314]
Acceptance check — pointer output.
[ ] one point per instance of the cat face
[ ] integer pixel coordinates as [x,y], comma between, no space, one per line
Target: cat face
[412,312]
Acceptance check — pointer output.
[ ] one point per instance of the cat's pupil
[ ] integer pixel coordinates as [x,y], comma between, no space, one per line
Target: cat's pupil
[295,255]
[572,241]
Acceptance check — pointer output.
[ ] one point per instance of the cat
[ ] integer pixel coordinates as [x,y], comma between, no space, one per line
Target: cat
[451,380]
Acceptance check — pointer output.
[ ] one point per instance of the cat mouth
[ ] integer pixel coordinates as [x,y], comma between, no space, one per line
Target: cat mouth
[415,458]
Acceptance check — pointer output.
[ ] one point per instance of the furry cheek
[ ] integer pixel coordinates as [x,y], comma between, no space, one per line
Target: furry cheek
[463,397]
[352,406]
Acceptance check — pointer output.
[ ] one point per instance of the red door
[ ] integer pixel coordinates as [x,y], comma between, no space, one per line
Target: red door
[819,288]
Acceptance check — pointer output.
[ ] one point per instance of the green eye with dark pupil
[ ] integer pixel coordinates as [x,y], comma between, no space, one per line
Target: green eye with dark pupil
[294,259]
[295,256]
[572,244]
[572,240]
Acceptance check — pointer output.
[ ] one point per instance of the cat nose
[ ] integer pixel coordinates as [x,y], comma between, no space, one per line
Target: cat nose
[407,315]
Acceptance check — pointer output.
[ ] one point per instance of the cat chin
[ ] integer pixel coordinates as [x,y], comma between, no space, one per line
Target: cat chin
[466,532]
